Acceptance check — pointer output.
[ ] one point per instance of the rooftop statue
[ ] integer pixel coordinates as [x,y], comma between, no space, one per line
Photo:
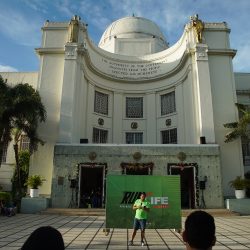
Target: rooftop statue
[74,29]
[198,26]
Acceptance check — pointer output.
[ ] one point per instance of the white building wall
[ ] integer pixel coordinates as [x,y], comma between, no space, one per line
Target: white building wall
[50,83]
[225,111]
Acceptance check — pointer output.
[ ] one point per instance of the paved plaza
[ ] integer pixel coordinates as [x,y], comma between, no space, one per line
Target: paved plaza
[86,232]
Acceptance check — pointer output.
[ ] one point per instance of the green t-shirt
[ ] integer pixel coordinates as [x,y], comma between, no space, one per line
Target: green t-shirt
[141,213]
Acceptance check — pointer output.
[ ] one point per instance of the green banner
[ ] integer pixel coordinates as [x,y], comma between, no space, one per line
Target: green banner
[163,192]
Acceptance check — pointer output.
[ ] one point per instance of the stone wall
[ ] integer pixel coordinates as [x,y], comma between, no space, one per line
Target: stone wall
[206,158]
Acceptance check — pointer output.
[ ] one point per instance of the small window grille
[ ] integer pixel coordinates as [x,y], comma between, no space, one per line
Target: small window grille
[168,103]
[101,103]
[100,135]
[134,107]
[246,153]
[4,155]
[24,143]
[134,138]
[169,136]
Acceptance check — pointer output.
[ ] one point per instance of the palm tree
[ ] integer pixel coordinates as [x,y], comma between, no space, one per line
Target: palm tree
[22,109]
[239,129]
[4,120]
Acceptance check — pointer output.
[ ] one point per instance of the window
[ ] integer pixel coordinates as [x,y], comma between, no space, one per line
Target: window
[134,138]
[101,103]
[24,143]
[246,152]
[100,135]
[4,155]
[169,136]
[134,107]
[168,103]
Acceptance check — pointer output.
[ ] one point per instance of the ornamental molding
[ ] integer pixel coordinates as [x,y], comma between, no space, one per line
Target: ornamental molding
[181,156]
[137,156]
[92,156]
[70,51]
[143,69]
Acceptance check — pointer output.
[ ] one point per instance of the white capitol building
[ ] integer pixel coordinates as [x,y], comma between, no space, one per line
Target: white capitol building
[169,102]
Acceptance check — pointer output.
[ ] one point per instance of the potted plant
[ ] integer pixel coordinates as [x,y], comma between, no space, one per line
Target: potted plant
[240,185]
[34,181]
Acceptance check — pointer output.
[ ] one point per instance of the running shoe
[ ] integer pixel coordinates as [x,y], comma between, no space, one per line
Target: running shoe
[130,243]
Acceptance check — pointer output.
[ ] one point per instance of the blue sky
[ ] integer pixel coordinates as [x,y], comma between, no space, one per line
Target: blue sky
[21,22]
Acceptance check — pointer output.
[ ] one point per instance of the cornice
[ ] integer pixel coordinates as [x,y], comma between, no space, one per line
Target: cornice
[151,89]
[159,77]
[222,52]
[243,92]
[42,51]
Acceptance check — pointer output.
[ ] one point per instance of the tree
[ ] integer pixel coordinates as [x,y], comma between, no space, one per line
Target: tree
[23,160]
[21,109]
[239,129]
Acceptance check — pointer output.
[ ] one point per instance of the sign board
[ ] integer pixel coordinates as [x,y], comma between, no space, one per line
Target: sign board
[163,192]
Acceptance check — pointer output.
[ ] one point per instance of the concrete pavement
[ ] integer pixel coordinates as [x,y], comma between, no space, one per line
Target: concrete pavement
[86,232]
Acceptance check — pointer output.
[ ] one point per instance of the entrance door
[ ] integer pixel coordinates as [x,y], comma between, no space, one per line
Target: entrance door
[187,185]
[91,186]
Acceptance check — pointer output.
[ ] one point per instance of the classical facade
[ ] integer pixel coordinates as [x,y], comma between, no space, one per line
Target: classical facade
[168,102]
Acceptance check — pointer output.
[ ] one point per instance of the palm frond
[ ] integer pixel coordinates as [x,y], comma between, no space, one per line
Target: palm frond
[231,125]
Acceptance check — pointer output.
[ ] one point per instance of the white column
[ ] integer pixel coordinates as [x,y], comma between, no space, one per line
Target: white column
[204,94]
[150,116]
[117,118]
[90,110]
[68,92]
[80,109]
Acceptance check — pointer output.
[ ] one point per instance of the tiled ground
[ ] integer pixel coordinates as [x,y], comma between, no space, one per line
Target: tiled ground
[82,232]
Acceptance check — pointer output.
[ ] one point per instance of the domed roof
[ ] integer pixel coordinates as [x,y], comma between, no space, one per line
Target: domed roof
[132,27]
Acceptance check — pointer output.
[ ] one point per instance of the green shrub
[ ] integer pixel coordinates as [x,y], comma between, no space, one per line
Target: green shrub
[5,196]
[239,183]
[34,181]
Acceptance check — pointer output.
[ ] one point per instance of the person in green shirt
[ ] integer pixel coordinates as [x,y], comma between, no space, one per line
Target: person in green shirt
[141,207]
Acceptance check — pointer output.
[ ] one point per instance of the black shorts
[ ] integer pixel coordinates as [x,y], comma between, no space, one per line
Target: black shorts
[139,224]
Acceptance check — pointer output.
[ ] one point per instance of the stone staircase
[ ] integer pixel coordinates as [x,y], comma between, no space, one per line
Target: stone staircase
[75,211]
[102,212]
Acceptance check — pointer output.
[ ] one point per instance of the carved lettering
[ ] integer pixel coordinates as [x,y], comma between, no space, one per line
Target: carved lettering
[133,70]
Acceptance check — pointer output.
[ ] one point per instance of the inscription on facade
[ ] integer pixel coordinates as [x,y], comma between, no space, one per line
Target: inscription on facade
[133,70]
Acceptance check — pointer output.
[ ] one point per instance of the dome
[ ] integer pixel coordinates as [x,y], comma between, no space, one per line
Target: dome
[132,28]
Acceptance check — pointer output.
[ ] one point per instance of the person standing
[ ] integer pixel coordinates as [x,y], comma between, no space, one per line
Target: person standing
[141,206]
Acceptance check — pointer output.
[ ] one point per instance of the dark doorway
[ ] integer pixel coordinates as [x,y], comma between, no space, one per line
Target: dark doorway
[91,186]
[187,185]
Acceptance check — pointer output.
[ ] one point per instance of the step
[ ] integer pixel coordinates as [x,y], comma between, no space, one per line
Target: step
[102,212]
[75,211]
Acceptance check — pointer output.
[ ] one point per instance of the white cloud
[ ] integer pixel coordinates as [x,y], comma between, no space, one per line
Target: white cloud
[65,7]
[6,68]
[37,5]
[19,27]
